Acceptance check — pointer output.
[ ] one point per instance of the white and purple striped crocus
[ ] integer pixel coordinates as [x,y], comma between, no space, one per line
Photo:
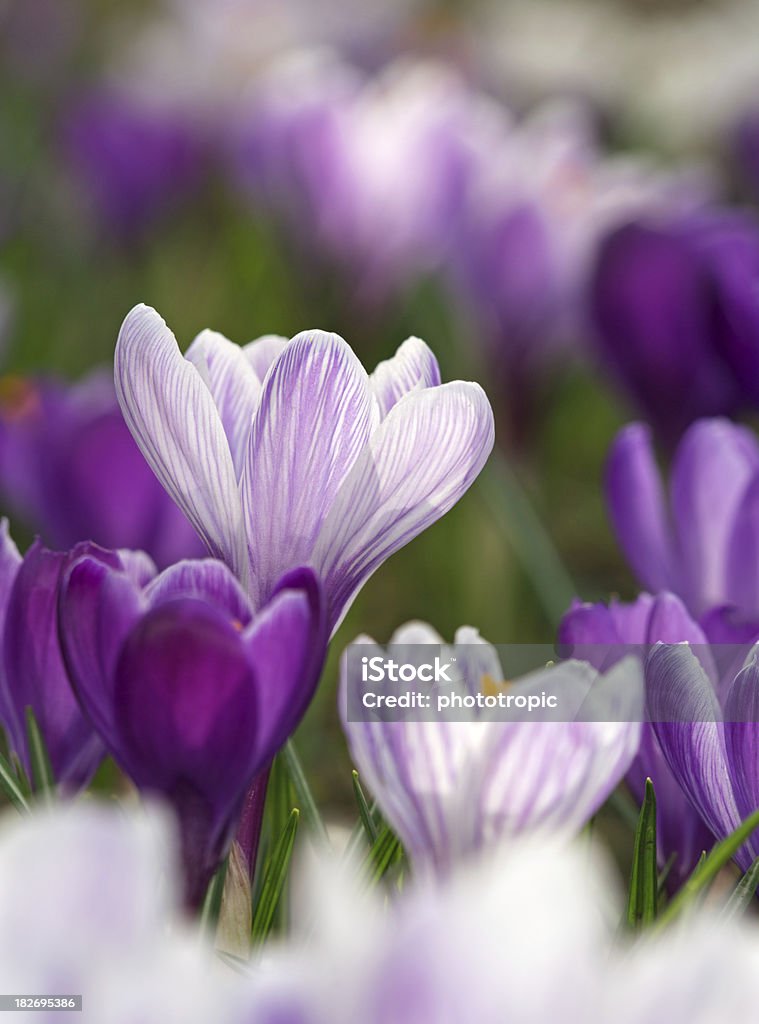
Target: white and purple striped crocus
[287,453]
[32,670]
[452,787]
[702,544]
[191,691]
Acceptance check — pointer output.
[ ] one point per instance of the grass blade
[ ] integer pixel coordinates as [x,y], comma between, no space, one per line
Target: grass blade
[709,867]
[303,793]
[10,786]
[742,895]
[274,879]
[644,882]
[209,915]
[383,853]
[42,772]
[365,812]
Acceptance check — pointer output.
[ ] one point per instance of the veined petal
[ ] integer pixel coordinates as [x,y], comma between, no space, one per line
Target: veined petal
[635,499]
[420,460]
[686,718]
[714,465]
[206,579]
[313,421]
[234,385]
[412,368]
[553,776]
[742,736]
[262,352]
[476,660]
[98,605]
[172,416]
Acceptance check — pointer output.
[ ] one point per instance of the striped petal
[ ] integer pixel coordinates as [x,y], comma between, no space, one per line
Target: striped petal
[420,460]
[742,736]
[172,416]
[687,721]
[233,383]
[412,368]
[312,423]
[262,352]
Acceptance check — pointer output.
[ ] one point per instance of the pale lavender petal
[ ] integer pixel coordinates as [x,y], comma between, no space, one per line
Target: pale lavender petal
[687,721]
[637,508]
[205,579]
[413,367]
[262,352]
[10,561]
[234,385]
[742,737]
[742,582]
[421,459]
[714,465]
[313,421]
[172,416]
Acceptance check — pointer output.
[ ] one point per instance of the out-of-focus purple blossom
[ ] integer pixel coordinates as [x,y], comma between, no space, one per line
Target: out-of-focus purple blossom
[702,543]
[131,161]
[32,671]
[675,308]
[191,692]
[287,453]
[453,788]
[69,466]
[746,150]
[603,634]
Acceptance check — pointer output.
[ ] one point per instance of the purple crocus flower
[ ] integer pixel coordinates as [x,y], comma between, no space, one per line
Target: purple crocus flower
[288,453]
[703,543]
[69,466]
[675,306]
[603,634]
[191,691]
[32,672]
[452,788]
[131,161]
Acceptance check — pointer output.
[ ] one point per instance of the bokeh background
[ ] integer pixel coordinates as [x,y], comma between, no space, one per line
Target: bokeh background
[458,171]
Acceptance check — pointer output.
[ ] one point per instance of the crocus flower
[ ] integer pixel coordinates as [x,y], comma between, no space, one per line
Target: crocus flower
[191,691]
[69,466]
[603,634]
[288,453]
[702,543]
[32,672]
[131,162]
[676,313]
[90,905]
[450,788]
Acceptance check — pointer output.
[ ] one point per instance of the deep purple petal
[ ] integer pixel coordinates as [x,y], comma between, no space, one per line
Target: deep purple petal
[36,674]
[742,573]
[205,579]
[637,508]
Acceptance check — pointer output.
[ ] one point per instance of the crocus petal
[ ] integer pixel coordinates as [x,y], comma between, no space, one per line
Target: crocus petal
[233,383]
[742,737]
[98,605]
[714,464]
[419,462]
[635,498]
[205,579]
[742,582]
[555,775]
[172,416]
[10,560]
[286,645]
[185,663]
[313,420]
[413,367]
[36,674]
[686,718]
[262,352]
[476,660]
